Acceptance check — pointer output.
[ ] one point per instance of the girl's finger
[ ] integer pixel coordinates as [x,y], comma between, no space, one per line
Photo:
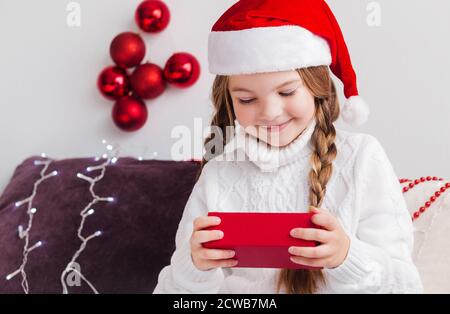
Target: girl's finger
[223,263]
[314,234]
[216,254]
[203,236]
[313,262]
[320,251]
[318,209]
[325,220]
[205,221]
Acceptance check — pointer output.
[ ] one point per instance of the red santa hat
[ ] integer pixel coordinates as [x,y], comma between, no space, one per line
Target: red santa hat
[255,36]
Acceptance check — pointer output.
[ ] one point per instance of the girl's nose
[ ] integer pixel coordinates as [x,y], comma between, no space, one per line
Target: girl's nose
[270,110]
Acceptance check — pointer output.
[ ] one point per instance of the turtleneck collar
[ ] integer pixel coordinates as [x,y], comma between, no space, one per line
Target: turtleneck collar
[269,158]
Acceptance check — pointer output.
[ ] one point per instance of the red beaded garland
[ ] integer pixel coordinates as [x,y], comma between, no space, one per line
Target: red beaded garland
[432,199]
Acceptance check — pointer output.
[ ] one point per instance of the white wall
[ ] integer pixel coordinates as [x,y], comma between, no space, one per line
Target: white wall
[49,101]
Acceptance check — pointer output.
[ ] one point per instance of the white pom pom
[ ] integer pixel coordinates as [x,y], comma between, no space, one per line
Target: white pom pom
[355,111]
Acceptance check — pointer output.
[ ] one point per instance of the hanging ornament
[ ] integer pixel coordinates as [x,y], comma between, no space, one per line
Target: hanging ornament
[127,49]
[113,82]
[182,70]
[129,113]
[152,16]
[147,81]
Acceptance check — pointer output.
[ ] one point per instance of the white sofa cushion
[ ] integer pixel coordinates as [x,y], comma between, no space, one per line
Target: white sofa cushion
[431,252]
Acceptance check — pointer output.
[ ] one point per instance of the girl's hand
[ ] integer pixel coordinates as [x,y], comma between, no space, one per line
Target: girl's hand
[204,258]
[334,242]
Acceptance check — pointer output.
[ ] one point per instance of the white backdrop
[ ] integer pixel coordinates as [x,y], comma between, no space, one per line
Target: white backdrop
[48,70]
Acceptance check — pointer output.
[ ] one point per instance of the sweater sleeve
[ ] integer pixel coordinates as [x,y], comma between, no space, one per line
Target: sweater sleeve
[182,276]
[379,258]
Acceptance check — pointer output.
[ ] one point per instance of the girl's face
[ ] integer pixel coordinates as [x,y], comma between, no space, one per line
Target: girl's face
[275,107]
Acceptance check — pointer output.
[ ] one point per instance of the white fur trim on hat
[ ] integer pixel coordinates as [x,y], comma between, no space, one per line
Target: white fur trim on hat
[265,49]
[355,111]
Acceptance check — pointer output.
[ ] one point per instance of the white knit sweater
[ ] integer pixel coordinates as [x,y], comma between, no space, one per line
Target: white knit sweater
[363,193]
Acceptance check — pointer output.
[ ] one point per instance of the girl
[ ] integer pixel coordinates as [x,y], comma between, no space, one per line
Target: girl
[273,84]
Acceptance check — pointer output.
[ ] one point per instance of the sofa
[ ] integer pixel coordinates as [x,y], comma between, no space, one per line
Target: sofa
[82,225]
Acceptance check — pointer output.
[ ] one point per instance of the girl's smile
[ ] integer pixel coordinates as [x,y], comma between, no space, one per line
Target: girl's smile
[276,127]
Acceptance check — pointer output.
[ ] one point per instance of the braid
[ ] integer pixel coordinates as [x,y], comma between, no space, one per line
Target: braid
[324,152]
[223,116]
[323,155]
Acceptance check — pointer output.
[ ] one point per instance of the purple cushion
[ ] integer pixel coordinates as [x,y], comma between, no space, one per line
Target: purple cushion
[138,227]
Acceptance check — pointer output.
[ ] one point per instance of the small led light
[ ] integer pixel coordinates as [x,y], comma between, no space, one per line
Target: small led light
[33,210]
[88,169]
[91,211]
[36,245]
[140,158]
[17,204]
[55,173]
[103,141]
[109,147]
[114,160]
[20,229]
[43,155]
[104,156]
[110,199]
[98,233]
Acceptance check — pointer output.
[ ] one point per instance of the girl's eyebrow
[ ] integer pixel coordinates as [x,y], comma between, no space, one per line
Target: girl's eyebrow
[239,89]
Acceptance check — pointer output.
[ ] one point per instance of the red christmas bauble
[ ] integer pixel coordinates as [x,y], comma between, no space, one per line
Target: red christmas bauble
[182,70]
[147,81]
[127,49]
[152,16]
[129,113]
[113,82]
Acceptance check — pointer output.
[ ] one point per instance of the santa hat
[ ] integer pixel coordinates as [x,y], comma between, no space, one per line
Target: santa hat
[255,36]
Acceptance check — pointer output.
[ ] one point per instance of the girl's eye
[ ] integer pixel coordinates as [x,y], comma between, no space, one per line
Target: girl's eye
[288,94]
[245,101]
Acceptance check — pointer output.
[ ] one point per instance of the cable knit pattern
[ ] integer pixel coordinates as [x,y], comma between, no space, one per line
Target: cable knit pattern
[363,193]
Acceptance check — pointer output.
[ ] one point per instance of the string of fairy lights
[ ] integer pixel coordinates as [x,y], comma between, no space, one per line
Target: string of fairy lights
[24,234]
[88,210]
[111,157]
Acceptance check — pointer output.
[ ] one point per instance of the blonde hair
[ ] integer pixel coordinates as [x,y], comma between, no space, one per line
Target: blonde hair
[318,81]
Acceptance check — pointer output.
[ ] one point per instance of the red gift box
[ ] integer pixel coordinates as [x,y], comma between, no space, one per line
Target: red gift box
[260,239]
